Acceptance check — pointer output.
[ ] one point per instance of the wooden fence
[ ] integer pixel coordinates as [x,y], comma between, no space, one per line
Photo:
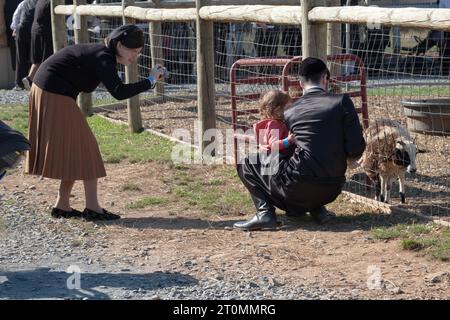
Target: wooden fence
[313,15]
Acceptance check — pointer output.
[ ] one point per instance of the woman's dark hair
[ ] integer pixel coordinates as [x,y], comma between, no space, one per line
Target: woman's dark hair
[130,35]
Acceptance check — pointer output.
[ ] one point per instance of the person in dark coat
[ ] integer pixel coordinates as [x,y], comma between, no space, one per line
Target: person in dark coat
[327,133]
[23,42]
[41,36]
[12,148]
[10,7]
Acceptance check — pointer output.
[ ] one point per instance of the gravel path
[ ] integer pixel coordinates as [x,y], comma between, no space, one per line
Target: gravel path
[36,252]
[21,96]
[13,97]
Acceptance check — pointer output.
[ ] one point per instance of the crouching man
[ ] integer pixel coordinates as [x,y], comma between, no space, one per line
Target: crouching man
[327,134]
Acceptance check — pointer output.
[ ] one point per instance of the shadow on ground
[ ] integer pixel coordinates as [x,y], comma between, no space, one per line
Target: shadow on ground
[176,223]
[350,222]
[43,283]
[341,223]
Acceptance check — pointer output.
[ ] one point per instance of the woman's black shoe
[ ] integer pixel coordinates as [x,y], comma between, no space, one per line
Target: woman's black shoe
[91,215]
[59,213]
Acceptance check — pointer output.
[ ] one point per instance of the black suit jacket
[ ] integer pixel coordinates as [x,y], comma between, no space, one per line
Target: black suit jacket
[327,132]
[10,7]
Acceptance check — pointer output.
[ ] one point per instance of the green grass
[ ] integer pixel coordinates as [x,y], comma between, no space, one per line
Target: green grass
[411,244]
[213,199]
[402,231]
[2,225]
[211,195]
[146,202]
[117,143]
[130,187]
[16,116]
[440,248]
[432,239]
[405,91]
[213,182]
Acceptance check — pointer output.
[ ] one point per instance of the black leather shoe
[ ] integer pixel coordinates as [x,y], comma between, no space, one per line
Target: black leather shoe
[59,213]
[262,220]
[91,215]
[321,215]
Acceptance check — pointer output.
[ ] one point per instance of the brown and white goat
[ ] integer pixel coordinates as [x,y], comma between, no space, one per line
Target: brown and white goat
[390,152]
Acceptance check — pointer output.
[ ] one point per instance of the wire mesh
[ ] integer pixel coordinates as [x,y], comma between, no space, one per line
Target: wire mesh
[403,66]
[408,82]
[177,44]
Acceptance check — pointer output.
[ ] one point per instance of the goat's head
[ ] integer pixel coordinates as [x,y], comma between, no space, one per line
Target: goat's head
[405,155]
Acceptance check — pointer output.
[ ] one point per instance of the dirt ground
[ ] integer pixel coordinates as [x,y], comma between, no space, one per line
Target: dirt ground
[428,190]
[342,256]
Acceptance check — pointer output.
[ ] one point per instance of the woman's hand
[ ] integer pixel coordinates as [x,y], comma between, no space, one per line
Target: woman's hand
[157,72]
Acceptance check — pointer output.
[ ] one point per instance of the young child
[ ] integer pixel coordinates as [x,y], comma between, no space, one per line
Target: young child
[271,132]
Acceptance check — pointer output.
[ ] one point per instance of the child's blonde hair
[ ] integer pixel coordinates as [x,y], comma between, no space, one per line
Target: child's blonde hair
[272,103]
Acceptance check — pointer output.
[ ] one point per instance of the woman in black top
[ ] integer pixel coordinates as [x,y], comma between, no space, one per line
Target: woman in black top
[62,144]
[10,7]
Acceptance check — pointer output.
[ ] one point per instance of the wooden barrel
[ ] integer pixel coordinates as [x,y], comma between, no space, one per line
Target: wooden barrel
[428,116]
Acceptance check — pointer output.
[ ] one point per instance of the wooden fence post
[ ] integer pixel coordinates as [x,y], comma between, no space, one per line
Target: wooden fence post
[205,75]
[131,75]
[156,48]
[314,36]
[59,28]
[333,39]
[82,36]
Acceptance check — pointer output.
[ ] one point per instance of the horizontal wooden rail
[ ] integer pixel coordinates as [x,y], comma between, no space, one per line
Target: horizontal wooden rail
[373,17]
[188,14]
[253,13]
[66,10]
[191,3]
[102,11]
[133,12]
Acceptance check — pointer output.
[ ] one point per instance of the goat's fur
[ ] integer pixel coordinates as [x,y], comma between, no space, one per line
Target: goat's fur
[390,152]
